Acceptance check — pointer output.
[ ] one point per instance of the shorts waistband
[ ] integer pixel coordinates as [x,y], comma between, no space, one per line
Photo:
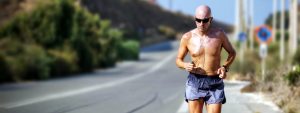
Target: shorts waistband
[204,76]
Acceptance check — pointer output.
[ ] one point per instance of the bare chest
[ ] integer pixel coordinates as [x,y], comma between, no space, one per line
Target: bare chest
[198,46]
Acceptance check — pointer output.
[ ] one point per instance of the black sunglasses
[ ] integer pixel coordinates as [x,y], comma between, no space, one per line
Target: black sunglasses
[205,20]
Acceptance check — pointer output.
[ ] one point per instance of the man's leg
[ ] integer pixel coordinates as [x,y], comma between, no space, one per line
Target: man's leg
[214,108]
[196,106]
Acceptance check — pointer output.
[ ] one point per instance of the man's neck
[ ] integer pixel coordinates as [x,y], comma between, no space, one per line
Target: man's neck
[202,33]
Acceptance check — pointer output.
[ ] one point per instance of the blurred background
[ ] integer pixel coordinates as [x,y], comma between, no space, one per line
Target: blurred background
[118,56]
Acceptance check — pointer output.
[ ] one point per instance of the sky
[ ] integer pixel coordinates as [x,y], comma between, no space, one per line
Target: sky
[223,10]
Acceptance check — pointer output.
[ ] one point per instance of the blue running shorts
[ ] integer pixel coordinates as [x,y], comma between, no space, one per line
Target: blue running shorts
[208,88]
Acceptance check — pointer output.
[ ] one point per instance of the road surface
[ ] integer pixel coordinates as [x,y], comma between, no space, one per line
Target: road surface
[151,85]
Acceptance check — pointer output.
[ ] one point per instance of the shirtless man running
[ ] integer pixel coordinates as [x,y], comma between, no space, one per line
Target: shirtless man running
[204,84]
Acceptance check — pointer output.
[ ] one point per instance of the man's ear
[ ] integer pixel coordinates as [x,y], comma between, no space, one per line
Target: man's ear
[211,19]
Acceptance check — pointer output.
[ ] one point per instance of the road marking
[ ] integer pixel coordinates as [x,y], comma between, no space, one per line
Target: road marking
[183,108]
[87,89]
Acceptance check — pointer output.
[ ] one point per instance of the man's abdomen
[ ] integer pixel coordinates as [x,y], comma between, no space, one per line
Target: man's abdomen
[209,67]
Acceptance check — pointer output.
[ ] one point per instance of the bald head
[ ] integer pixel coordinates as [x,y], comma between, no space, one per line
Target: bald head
[203,11]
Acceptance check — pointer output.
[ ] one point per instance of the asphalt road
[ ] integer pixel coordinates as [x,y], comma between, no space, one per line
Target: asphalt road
[151,85]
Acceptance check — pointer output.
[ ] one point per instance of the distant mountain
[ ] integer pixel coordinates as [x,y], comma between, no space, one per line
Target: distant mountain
[138,18]
[139,14]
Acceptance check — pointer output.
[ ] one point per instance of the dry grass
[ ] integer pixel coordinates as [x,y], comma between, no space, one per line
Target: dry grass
[28,5]
[250,88]
[285,96]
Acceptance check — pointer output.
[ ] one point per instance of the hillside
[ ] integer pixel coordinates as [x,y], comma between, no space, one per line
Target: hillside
[135,15]
[138,19]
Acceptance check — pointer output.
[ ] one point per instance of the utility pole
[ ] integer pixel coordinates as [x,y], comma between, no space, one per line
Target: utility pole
[240,28]
[293,27]
[274,24]
[251,32]
[281,54]
[242,16]
[296,25]
[237,19]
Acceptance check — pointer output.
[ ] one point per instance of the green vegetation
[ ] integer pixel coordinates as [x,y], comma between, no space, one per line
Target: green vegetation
[293,77]
[59,38]
[281,80]
[127,50]
[167,31]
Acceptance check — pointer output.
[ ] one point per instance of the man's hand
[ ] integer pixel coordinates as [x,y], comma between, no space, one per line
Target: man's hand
[188,66]
[222,72]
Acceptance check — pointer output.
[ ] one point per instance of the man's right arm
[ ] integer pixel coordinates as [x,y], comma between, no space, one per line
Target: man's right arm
[182,51]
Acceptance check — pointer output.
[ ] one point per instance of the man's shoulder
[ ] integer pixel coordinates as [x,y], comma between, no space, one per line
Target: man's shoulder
[217,30]
[187,35]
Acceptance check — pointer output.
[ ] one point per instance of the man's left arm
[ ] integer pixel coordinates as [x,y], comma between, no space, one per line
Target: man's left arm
[231,55]
[229,49]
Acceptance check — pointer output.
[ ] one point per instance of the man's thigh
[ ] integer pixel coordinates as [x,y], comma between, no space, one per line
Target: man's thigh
[214,108]
[196,106]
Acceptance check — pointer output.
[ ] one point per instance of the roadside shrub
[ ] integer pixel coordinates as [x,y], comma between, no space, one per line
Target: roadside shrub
[36,62]
[129,50]
[167,31]
[293,77]
[12,66]
[296,58]
[50,24]
[47,24]
[56,38]
[63,62]
[4,75]
[110,40]
[26,61]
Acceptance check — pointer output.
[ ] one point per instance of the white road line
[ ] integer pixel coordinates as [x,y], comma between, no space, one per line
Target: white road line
[87,89]
[183,108]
